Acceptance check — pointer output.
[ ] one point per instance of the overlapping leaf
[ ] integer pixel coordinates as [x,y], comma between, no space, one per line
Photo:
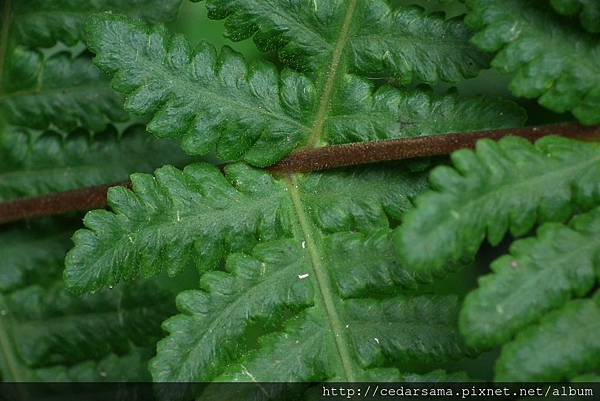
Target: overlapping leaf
[49,334]
[310,330]
[365,37]
[587,10]
[195,217]
[539,275]
[552,60]
[211,101]
[506,186]
[33,165]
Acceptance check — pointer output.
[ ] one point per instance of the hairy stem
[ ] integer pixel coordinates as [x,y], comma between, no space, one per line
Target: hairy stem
[365,153]
[305,161]
[55,204]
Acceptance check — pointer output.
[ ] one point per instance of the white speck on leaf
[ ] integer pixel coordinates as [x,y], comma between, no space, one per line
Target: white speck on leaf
[302,276]
[376,340]
[303,244]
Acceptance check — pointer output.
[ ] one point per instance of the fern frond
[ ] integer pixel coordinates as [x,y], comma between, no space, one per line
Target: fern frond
[211,101]
[587,10]
[59,91]
[49,333]
[539,275]
[551,59]
[364,37]
[39,89]
[309,330]
[54,327]
[506,186]
[34,165]
[560,347]
[195,217]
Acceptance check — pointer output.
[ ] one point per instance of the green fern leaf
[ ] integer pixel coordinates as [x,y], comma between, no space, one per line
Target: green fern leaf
[54,327]
[365,37]
[40,23]
[49,334]
[500,187]
[195,217]
[59,90]
[325,335]
[562,346]
[588,11]
[539,275]
[34,165]
[39,89]
[216,102]
[112,368]
[551,59]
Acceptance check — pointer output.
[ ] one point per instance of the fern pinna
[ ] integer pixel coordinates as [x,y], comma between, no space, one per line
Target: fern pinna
[287,276]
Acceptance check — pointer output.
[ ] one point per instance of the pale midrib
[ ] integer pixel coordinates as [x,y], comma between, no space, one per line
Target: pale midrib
[6,23]
[322,111]
[323,282]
